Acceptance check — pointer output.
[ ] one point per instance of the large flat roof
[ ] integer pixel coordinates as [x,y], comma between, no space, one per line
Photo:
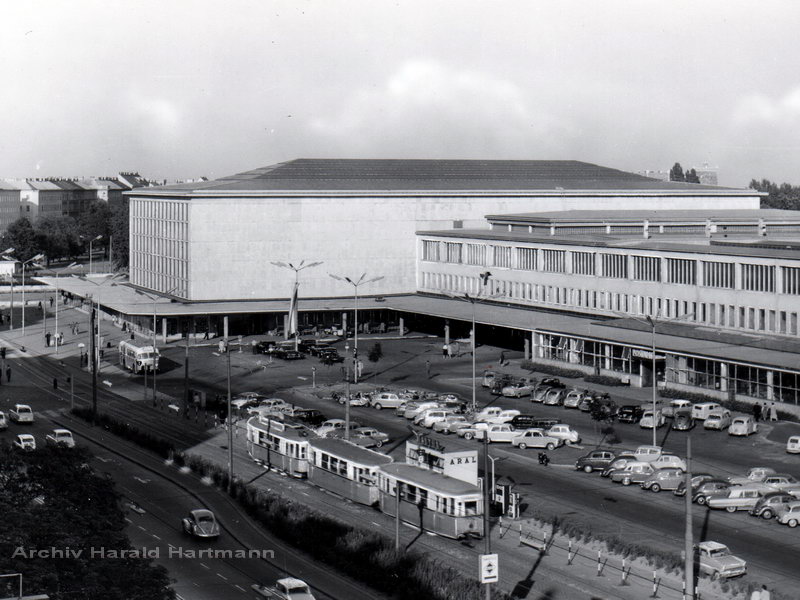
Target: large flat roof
[395,175]
[350,451]
[432,481]
[654,216]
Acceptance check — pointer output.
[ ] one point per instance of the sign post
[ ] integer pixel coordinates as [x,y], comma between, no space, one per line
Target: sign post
[490,568]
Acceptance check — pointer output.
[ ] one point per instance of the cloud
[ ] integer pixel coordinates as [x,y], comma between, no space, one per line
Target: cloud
[427,108]
[761,109]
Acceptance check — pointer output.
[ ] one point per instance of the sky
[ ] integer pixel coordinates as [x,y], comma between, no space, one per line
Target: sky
[177,89]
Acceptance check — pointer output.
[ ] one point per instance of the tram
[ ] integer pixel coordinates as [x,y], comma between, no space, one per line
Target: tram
[346,469]
[278,445]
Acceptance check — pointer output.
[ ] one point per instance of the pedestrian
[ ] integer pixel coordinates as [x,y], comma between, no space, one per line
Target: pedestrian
[757,412]
[40,305]
[360,367]
[51,302]
[60,338]
[765,595]
[428,368]
[205,337]
[47,337]
[502,358]
[444,350]
[449,350]
[55,383]
[773,416]
[756,595]
[133,337]
[8,374]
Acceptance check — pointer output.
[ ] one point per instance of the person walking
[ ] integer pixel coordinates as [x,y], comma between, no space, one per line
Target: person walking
[773,416]
[428,368]
[47,337]
[765,595]
[502,358]
[8,374]
[757,412]
[756,595]
[444,350]
[60,338]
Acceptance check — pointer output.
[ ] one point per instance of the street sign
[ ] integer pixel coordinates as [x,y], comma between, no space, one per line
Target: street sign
[490,568]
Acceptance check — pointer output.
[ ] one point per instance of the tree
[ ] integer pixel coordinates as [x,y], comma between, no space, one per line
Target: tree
[21,236]
[676,173]
[57,237]
[691,176]
[375,353]
[119,229]
[783,196]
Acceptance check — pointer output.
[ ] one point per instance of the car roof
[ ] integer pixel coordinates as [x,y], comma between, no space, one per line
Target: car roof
[291,582]
[25,436]
[202,512]
[709,545]
[62,431]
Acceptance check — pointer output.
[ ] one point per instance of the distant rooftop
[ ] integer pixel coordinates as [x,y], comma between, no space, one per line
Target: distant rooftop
[654,216]
[543,176]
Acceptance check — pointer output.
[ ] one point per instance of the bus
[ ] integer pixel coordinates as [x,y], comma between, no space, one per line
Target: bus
[138,358]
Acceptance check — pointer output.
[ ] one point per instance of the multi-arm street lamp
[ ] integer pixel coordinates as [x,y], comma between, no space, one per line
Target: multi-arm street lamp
[296,270]
[355,283]
[7,255]
[91,241]
[155,298]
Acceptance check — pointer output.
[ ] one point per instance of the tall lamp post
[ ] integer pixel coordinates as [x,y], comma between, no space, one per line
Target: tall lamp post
[33,259]
[91,241]
[7,255]
[355,283]
[155,298]
[296,270]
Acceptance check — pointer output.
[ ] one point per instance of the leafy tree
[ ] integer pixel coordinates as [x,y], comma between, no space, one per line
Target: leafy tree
[375,353]
[676,173]
[119,229]
[691,176]
[784,196]
[21,236]
[57,237]
[96,221]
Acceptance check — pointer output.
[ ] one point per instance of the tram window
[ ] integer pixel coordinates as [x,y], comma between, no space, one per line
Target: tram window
[471,508]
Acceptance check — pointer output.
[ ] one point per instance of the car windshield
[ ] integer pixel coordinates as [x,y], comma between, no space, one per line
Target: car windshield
[718,552]
[205,519]
[299,590]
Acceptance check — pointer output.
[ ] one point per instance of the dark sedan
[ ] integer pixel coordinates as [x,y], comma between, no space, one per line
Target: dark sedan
[630,413]
[595,460]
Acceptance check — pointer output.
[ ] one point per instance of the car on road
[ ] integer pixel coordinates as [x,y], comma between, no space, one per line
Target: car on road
[648,417]
[711,488]
[535,438]
[267,405]
[470,430]
[357,399]
[664,479]
[504,416]
[25,441]
[740,497]
[754,475]
[288,588]
[246,399]
[682,420]
[443,425]
[60,437]
[771,504]
[21,413]
[633,472]
[500,381]
[573,399]
[318,349]
[201,523]
[497,432]
[3,421]
[743,426]
[793,445]
[630,413]
[784,482]
[330,357]
[381,400]
[596,460]
[565,432]
[789,515]
[701,410]
[517,389]
[718,419]
[716,560]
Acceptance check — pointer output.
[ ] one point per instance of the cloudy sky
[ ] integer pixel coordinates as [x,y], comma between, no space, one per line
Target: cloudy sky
[182,89]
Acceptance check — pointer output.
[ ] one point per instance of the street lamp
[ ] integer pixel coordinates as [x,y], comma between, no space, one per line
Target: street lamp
[360,281]
[6,255]
[154,298]
[33,259]
[293,308]
[91,241]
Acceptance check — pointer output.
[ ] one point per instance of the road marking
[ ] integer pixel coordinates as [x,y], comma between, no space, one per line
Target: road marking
[107,382]
[128,520]
[301,378]
[155,536]
[140,480]
[205,566]
[105,460]
[240,588]
[222,577]
[142,528]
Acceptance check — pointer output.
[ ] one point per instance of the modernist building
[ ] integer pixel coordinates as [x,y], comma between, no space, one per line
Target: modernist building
[721,288]
[216,240]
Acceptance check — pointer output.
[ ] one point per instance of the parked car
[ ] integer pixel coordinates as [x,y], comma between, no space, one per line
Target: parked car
[564,432]
[357,399]
[630,413]
[290,354]
[378,438]
[488,412]
[455,425]
[573,399]
[542,423]
[646,422]
[517,389]
[595,460]
[500,381]
[717,561]
[712,488]
[320,348]
[668,460]
[328,426]
[664,479]
[697,479]
[676,405]
[25,441]
[784,482]
[633,472]
[718,419]
[3,421]
[504,416]
[701,410]
[646,453]
[770,504]
[497,432]
[488,379]
[535,438]
[539,393]
[432,415]
[793,445]
[414,408]
[246,399]
[619,463]
[522,422]
[381,400]
[201,523]
[267,405]
[743,426]
[682,420]
[754,475]
[555,396]
[443,426]
[471,430]
[60,437]
[21,413]
[329,357]
[310,416]
[740,497]
[789,515]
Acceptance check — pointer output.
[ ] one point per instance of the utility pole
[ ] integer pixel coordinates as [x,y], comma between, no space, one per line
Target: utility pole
[186,399]
[94,366]
[487,538]
[397,515]
[347,392]
[689,549]
[230,418]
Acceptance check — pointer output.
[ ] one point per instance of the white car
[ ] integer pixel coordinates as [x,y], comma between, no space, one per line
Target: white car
[646,422]
[446,424]
[517,390]
[488,412]
[329,426]
[701,410]
[754,475]
[21,413]
[61,437]
[647,453]
[669,461]
[504,417]
[789,514]
[745,425]
[784,483]
[287,588]
[498,433]
[381,400]
[25,441]
[535,438]
[378,437]
[573,399]
[676,405]
[414,408]
[793,445]
[716,560]
[470,430]
[433,416]
[718,419]
[245,399]
[564,432]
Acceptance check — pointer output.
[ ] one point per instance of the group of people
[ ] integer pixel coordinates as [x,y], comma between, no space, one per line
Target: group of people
[762,594]
[57,338]
[765,412]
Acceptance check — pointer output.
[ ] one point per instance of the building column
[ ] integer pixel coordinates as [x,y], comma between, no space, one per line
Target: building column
[770,390]
[285,326]
[527,349]
[225,326]
[344,323]
[402,326]
[723,377]
[683,376]
[446,332]
[164,329]
[607,357]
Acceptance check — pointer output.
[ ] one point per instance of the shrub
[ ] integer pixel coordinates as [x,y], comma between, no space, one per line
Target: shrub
[531,366]
[604,380]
